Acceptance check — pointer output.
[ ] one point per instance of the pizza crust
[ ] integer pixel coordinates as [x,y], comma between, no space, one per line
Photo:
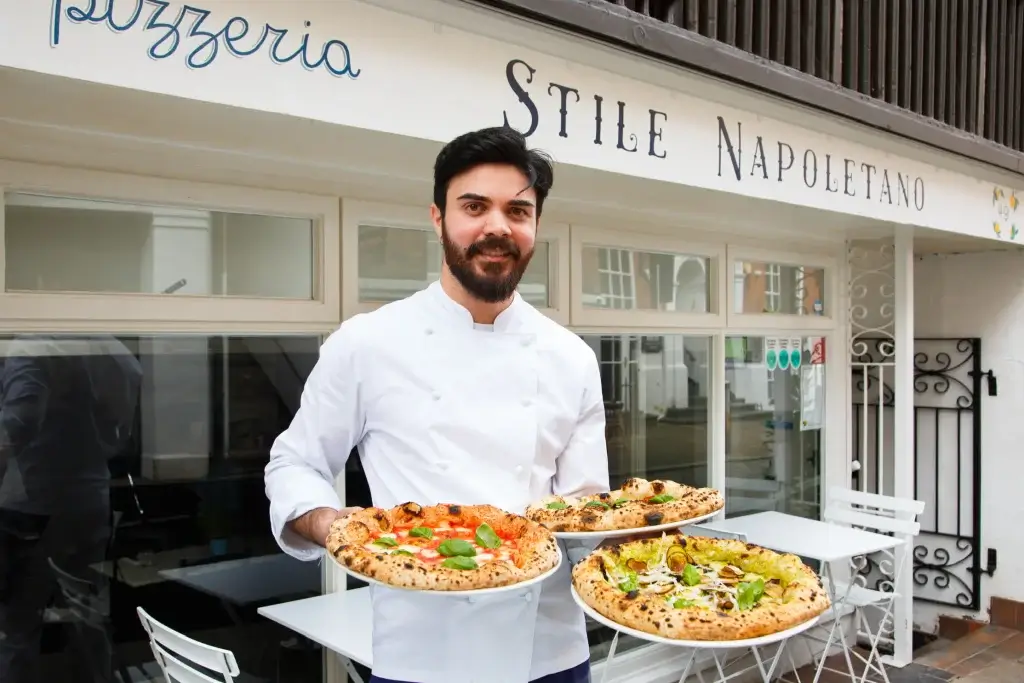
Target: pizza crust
[538,551]
[636,512]
[803,598]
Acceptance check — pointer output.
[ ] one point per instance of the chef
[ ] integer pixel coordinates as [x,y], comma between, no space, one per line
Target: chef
[460,393]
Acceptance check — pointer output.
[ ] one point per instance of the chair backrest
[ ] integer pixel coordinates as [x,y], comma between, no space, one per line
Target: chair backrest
[85,601]
[874,511]
[178,655]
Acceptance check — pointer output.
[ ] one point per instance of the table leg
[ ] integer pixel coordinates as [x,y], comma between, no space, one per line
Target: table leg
[837,624]
[689,667]
[608,658]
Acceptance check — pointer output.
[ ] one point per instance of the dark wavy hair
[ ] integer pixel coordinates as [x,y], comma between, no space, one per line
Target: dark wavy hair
[498,145]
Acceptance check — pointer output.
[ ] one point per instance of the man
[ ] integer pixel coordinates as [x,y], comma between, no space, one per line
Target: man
[461,393]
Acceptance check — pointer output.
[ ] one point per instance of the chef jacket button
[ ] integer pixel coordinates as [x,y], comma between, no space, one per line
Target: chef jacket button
[471,601]
[428,331]
[436,396]
[527,402]
[519,468]
[527,341]
[443,465]
[528,597]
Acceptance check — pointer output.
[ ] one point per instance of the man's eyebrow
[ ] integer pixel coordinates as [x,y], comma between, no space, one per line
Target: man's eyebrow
[481,198]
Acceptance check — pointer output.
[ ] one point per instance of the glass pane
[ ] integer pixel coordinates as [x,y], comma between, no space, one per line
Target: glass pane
[774,421]
[657,409]
[397,262]
[135,465]
[778,288]
[83,245]
[645,281]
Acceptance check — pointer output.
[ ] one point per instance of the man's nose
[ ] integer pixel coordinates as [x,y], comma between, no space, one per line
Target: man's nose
[497,223]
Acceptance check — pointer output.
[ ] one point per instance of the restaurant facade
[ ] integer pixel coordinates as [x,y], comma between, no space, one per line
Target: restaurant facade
[218,186]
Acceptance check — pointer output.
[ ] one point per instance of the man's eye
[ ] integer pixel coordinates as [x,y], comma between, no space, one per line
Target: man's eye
[472,206]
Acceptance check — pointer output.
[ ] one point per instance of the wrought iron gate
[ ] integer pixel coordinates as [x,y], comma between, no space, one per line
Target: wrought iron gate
[947,457]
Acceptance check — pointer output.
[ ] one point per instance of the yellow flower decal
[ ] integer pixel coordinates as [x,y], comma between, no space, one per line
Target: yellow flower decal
[996,229]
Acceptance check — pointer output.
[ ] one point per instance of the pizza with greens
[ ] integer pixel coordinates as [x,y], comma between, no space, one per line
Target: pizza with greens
[443,547]
[638,504]
[697,588]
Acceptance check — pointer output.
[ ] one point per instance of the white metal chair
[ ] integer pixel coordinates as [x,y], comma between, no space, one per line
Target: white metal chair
[179,655]
[878,514]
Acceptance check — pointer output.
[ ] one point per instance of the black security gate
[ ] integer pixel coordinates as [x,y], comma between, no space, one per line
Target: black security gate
[948,382]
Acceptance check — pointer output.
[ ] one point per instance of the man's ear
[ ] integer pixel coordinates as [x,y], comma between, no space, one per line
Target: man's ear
[436,217]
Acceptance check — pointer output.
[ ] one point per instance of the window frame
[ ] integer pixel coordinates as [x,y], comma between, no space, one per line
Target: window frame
[782,321]
[157,312]
[356,213]
[581,236]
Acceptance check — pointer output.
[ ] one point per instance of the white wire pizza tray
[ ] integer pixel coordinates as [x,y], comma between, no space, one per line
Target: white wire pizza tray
[455,593]
[698,644]
[623,533]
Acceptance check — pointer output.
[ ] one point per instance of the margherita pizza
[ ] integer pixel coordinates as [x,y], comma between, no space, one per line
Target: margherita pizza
[697,588]
[639,503]
[443,547]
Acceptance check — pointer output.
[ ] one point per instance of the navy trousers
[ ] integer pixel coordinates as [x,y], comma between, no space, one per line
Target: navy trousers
[577,674]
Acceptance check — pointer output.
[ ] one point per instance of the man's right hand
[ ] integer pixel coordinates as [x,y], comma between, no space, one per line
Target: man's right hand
[315,525]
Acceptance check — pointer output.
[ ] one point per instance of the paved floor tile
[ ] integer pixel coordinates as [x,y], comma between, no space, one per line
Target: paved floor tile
[1003,671]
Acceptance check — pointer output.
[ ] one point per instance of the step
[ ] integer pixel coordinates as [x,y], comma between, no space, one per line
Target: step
[981,650]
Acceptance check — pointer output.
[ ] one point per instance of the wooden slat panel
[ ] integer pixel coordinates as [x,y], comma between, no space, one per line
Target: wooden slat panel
[957,61]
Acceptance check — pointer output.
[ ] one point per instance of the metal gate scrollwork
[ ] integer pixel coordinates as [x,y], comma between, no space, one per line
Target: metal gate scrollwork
[948,381]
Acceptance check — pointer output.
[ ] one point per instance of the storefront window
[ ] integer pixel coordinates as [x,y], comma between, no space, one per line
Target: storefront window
[627,279]
[657,409]
[778,288]
[56,244]
[133,476]
[773,424]
[397,262]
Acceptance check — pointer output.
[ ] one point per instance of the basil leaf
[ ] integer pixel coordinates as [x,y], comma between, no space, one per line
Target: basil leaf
[386,541]
[401,552]
[422,532]
[459,563]
[691,575]
[455,547]
[749,593]
[680,603]
[486,538]
[663,498]
[597,504]
[620,502]
[557,505]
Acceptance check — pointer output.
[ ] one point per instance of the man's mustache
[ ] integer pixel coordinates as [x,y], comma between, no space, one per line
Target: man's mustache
[493,246]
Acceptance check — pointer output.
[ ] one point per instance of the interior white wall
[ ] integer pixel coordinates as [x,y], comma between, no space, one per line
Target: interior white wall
[982,295]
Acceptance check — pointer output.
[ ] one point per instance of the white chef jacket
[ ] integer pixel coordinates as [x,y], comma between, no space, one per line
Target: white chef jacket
[443,410]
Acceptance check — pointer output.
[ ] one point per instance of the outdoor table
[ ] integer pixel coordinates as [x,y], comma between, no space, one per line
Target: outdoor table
[816,540]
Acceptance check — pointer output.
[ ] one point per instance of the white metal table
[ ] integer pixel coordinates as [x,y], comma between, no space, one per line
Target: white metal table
[318,619]
[820,541]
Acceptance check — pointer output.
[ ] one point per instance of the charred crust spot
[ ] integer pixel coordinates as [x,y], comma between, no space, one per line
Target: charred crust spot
[604,572]
[588,518]
[413,509]
[657,624]
[408,565]
[379,558]
[658,486]
[454,509]
[643,608]
[632,594]
[653,518]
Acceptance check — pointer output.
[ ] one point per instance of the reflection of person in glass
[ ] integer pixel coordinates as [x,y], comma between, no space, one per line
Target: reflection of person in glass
[461,393]
[67,404]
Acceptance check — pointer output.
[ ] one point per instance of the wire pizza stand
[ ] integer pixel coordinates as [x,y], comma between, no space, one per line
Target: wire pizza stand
[718,650]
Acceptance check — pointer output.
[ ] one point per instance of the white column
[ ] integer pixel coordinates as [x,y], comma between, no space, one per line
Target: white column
[903,434]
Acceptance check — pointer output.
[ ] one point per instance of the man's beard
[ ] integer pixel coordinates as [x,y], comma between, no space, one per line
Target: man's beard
[498,281]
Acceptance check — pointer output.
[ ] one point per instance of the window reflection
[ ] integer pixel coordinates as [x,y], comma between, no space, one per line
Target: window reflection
[626,279]
[777,288]
[132,474]
[774,422]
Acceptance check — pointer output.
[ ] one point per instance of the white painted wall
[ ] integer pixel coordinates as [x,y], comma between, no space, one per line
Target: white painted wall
[982,295]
